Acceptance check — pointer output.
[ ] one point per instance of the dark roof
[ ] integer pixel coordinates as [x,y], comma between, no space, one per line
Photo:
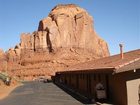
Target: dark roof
[130,61]
[131,66]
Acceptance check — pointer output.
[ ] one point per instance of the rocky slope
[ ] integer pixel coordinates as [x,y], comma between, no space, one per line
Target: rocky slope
[64,38]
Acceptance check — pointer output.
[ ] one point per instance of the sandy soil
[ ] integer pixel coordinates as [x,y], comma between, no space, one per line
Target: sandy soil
[5,90]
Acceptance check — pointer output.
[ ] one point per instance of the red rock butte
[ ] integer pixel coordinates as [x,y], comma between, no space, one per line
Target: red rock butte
[64,38]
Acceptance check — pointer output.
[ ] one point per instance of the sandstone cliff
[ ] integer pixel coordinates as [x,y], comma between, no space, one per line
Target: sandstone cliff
[3,61]
[64,38]
[69,26]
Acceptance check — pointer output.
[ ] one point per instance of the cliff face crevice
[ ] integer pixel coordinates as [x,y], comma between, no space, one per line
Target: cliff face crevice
[64,38]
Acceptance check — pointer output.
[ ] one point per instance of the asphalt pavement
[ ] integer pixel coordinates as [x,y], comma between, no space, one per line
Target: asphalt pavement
[38,93]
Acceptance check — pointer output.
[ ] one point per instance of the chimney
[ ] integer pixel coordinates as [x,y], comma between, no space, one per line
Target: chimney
[121,50]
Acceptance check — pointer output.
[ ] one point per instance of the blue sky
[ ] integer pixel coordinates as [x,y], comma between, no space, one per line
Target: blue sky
[116,21]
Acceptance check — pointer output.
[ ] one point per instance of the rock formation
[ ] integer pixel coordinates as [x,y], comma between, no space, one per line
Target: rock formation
[64,38]
[3,61]
[69,26]
[1,52]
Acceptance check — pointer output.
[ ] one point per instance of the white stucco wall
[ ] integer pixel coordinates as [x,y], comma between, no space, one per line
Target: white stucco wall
[132,91]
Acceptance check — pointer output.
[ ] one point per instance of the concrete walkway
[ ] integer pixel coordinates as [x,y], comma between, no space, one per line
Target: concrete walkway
[36,93]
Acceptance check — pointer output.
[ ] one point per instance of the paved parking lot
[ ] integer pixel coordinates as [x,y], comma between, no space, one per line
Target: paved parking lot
[37,93]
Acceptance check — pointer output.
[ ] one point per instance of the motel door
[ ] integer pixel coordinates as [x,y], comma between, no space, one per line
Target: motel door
[133,95]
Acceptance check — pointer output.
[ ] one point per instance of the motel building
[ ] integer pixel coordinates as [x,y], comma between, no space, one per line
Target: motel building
[114,79]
